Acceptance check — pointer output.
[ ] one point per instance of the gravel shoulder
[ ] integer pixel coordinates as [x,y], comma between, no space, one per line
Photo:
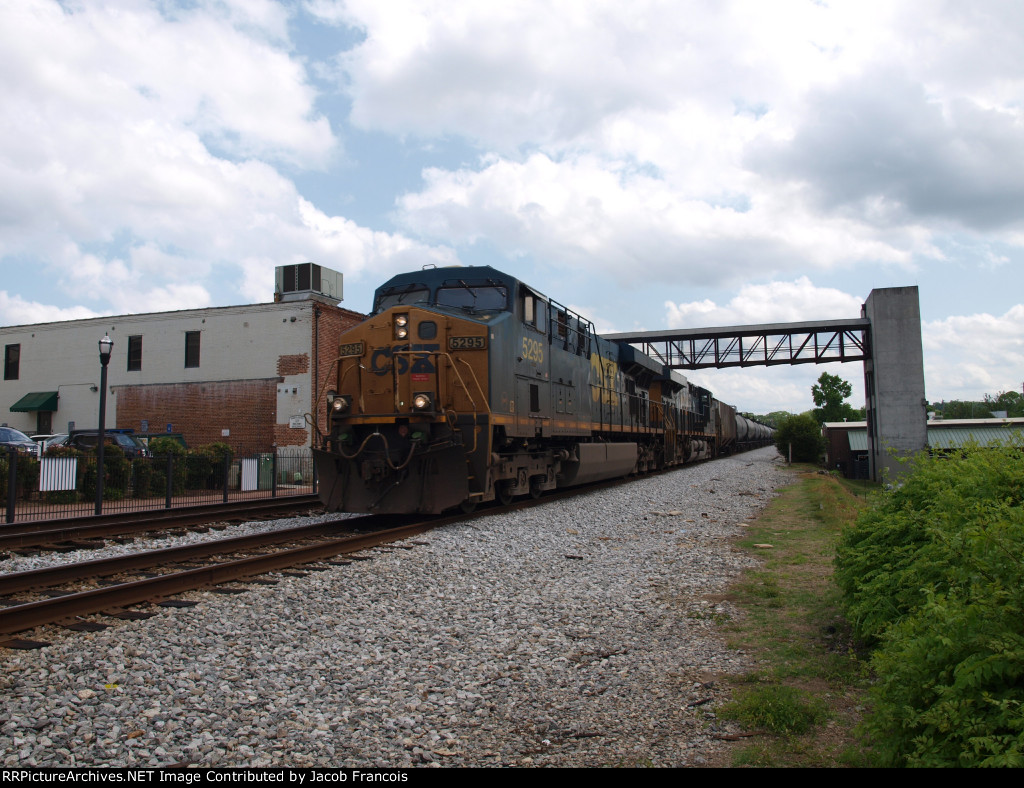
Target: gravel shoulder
[581,633]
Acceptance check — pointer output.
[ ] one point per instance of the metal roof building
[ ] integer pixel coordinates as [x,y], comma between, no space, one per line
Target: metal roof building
[847,441]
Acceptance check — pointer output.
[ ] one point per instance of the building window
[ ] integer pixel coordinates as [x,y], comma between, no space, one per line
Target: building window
[134,354]
[12,361]
[191,349]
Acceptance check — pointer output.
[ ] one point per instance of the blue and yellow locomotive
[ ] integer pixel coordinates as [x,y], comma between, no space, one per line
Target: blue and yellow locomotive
[466,385]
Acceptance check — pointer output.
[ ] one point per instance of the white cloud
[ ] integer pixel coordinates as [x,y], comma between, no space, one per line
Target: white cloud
[107,64]
[340,244]
[547,73]
[967,356]
[774,302]
[762,390]
[16,311]
[668,134]
[162,299]
[141,148]
[616,221]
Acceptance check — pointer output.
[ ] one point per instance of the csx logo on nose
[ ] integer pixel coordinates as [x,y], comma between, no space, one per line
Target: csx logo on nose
[382,358]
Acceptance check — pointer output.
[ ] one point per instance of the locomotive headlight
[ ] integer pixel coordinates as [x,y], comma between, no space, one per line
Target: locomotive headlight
[422,401]
[401,333]
[340,405]
[401,326]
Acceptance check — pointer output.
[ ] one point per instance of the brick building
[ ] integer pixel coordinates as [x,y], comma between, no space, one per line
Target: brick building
[249,376]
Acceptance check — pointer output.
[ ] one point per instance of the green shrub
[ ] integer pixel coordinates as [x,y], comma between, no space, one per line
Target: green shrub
[933,574]
[220,455]
[804,434]
[142,477]
[161,449]
[199,469]
[117,472]
[27,474]
[63,451]
[61,496]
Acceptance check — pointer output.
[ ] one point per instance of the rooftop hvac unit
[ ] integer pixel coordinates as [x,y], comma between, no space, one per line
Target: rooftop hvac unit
[297,282]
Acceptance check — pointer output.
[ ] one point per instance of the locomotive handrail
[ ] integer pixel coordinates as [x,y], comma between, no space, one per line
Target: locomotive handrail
[476,431]
[310,418]
[583,330]
[479,388]
[451,362]
[448,357]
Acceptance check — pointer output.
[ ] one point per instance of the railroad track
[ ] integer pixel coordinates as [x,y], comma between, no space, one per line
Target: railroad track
[86,532]
[67,608]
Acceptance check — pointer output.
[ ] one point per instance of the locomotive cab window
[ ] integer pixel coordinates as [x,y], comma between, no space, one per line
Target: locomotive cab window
[480,298]
[405,295]
[535,312]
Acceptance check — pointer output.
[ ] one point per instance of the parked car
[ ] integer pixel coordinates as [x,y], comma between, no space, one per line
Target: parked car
[86,440]
[12,438]
[46,441]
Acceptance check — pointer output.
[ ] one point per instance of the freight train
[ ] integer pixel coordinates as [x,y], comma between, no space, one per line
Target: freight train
[466,385]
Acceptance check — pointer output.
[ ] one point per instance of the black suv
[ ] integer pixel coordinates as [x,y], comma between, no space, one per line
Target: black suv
[86,440]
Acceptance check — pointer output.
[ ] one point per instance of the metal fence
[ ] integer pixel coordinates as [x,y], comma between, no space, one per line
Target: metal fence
[54,487]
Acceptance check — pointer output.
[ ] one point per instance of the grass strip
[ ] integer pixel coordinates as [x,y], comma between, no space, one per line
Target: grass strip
[807,693]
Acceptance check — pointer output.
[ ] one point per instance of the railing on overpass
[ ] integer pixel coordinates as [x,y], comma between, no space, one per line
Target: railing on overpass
[813,342]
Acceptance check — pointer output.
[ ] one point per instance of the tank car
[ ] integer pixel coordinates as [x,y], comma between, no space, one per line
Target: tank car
[466,385]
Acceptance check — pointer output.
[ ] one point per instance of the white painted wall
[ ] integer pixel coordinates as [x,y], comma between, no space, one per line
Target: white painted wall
[237,343]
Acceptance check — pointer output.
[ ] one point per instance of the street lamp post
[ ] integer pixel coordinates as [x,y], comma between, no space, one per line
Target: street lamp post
[106,344]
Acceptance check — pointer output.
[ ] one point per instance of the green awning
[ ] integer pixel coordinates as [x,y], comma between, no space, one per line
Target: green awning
[37,400]
[858,440]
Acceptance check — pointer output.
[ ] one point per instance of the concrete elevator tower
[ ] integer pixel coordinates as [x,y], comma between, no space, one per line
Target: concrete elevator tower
[894,379]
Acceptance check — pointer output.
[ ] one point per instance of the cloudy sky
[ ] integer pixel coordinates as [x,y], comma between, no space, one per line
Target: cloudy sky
[652,164]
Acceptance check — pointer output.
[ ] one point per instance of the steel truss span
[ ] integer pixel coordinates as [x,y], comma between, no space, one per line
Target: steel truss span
[815,342]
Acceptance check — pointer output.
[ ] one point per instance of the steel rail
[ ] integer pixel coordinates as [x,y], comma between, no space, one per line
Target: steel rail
[19,618]
[36,579]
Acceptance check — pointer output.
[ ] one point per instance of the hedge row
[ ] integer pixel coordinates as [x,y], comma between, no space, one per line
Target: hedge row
[192,469]
[933,575]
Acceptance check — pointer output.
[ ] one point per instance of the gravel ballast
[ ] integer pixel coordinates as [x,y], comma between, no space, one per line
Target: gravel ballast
[586,632]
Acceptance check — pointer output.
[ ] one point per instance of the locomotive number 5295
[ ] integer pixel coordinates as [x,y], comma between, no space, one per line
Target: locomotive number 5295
[533,350]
